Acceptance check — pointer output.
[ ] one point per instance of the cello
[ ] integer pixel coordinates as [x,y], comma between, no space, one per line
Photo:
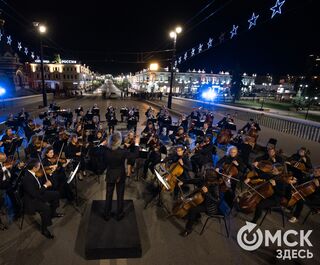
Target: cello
[249,200]
[302,191]
[196,197]
[175,171]
[224,136]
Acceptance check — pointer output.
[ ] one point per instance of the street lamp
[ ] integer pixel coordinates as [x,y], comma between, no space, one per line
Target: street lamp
[42,29]
[173,35]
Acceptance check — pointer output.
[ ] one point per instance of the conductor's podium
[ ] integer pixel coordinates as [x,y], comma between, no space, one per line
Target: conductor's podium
[113,239]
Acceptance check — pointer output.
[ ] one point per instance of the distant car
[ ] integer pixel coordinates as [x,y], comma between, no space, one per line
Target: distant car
[113,95]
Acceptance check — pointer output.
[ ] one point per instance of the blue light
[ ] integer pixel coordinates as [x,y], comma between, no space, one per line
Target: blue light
[209,94]
[2,91]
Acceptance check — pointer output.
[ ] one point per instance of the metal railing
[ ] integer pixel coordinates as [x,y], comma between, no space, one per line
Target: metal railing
[303,129]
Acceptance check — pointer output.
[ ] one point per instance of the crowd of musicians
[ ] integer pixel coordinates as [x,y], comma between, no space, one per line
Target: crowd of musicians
[41,164]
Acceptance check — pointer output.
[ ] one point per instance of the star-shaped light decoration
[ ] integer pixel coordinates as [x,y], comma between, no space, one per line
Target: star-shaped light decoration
[0,35]
[180,59]
[200,47]
[192,52]
[185,56]
[32,55]
[9,40]
[19,46]
[38,58]
[253,20]
[26,50]
[276,9]
[175,63]
[209,44]
[233,32]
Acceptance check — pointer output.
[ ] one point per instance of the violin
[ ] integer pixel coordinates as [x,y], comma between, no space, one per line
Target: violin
[55,159]
[3,157]
[40,143]
[10,161]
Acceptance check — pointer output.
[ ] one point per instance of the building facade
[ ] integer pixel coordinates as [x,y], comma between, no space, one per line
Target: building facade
[63,76]
[190,82]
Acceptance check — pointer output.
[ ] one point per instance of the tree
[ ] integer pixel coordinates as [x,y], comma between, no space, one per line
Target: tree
[236,85]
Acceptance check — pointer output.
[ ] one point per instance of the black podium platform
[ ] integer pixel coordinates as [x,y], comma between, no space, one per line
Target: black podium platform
[113,239]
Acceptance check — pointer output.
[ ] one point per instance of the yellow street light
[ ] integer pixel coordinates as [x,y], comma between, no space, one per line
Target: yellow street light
[154,67]
[42,29]
[172,34]
[178,29]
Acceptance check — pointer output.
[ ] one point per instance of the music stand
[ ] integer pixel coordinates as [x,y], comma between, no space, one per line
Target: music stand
[69,180]
[157,196]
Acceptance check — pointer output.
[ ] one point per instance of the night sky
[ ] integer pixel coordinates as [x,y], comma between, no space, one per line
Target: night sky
[108,34]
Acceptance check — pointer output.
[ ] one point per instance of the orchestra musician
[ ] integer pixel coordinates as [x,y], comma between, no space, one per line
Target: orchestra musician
[179,156]
[129,144]
[23,116]
[180,138]
[281,189]
[156,148]
[300,164]
[203,154]
[124,113]
[57,174]
[75,151]
[30,129]
[115,158]
[132,120]
[251,124]
[209,188]
[224,122]
[12,123]
[312,200]
[271,156]
[37,197]
[111,119]
[148,132]
[232,168]
[10,142]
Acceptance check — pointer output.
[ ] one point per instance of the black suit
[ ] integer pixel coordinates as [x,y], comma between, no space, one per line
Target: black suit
[38,199]
[116,175]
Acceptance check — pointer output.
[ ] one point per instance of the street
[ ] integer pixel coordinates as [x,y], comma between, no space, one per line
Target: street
[161,242]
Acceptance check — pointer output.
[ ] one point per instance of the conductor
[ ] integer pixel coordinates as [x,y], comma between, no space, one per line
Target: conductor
[115,158]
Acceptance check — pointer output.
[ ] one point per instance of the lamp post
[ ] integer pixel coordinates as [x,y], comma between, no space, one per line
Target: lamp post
[42,29]
[309,104]
[173,35]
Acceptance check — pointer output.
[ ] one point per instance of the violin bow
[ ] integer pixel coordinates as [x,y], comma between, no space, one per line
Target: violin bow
[295,189]
[60,153]
[252,188]
[44,172]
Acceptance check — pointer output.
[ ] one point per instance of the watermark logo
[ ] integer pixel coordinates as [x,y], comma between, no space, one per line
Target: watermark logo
[288,241]
[244,242]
